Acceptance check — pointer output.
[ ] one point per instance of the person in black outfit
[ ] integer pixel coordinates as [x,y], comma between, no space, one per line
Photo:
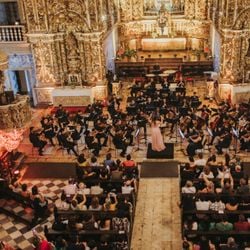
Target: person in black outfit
[36,141]
[81,120]
[48,130]
[62,116]
[101,133]
[92,143]
[67,143]
[224,142]
[142,123]
[120,143]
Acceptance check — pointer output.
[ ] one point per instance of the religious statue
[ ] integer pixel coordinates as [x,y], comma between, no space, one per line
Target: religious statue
[162,19]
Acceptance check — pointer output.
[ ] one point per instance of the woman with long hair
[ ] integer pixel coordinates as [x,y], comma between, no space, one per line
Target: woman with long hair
[156,136]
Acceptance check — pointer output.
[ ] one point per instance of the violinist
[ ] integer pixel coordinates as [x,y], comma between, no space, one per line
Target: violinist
[172,118]
[120,142]
[128,134]
[224,141]
[142,122]
[48,130]
[101,129]
[140,101]
[195,142]
[80,119]
[36,141]
[67,141]
[91,142]
[61,116]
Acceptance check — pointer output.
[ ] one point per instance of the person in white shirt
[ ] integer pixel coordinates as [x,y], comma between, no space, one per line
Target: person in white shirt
[225,173]
[61,203]
[202,205]
[96,189]
[127,187]
[82,189]
[206,172]
[200,161]
[188,188]
[71,188]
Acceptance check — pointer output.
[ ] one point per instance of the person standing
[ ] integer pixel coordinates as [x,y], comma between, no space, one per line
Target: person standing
[156,136]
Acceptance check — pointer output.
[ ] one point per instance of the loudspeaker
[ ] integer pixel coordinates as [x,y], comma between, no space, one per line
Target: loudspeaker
[167,153]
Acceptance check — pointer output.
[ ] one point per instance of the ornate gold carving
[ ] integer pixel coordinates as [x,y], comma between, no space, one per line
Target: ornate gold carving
[44,95]
[15,115]
[71,100]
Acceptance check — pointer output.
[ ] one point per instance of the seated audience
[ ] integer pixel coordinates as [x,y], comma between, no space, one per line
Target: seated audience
[224,225]
[200,161]
[110,202]
[71,188]
[242,224]
[95,205]
[188,188]
[96,189]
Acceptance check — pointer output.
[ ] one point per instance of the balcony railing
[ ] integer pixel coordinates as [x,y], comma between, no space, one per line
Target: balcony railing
[12,33]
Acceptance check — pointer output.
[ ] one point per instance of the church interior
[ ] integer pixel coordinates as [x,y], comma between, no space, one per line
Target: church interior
[125,124]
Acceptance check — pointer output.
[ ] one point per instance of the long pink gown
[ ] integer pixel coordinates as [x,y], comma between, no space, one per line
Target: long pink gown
[157,140]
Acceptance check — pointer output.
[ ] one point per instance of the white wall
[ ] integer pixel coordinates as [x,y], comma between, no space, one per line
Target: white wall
[110,48]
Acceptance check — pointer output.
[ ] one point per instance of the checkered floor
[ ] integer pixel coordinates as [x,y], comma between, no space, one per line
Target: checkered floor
[18,234]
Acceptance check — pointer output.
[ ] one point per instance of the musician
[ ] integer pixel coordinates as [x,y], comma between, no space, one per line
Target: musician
[224,141]
[128,134]
[61,116]
[132,108]
[34,138]
[76,132]
[81,120]
[140,101]
[91,142]
[135,88]
[195,142]
[101,132]
[120,142]
[111,106]
[245,137]
[142,123]
[67,141]
[172,118]
[48,130]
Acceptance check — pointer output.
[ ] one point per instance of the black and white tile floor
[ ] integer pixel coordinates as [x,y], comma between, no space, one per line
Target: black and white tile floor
[18,234]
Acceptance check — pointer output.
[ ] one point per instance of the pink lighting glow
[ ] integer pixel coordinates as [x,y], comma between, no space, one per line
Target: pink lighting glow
[11,140]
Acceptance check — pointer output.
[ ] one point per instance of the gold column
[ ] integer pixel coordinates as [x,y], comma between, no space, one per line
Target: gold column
[3,67]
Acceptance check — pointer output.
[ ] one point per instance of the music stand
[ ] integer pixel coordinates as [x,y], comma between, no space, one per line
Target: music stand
[137,137]
[182,136]
[236,135]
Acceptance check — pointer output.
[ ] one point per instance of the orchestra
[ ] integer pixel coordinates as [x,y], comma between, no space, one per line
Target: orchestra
[201,125]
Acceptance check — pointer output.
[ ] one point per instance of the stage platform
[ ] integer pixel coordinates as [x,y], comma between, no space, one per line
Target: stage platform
[167,153]
[159,169]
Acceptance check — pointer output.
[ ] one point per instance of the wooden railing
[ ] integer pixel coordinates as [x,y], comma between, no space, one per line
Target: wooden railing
[12,33]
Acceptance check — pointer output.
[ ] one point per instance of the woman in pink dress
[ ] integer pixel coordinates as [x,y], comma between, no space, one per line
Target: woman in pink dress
[157,139]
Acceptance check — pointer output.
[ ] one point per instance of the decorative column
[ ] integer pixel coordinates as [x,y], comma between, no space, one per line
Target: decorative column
[3,67]
[93,62]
